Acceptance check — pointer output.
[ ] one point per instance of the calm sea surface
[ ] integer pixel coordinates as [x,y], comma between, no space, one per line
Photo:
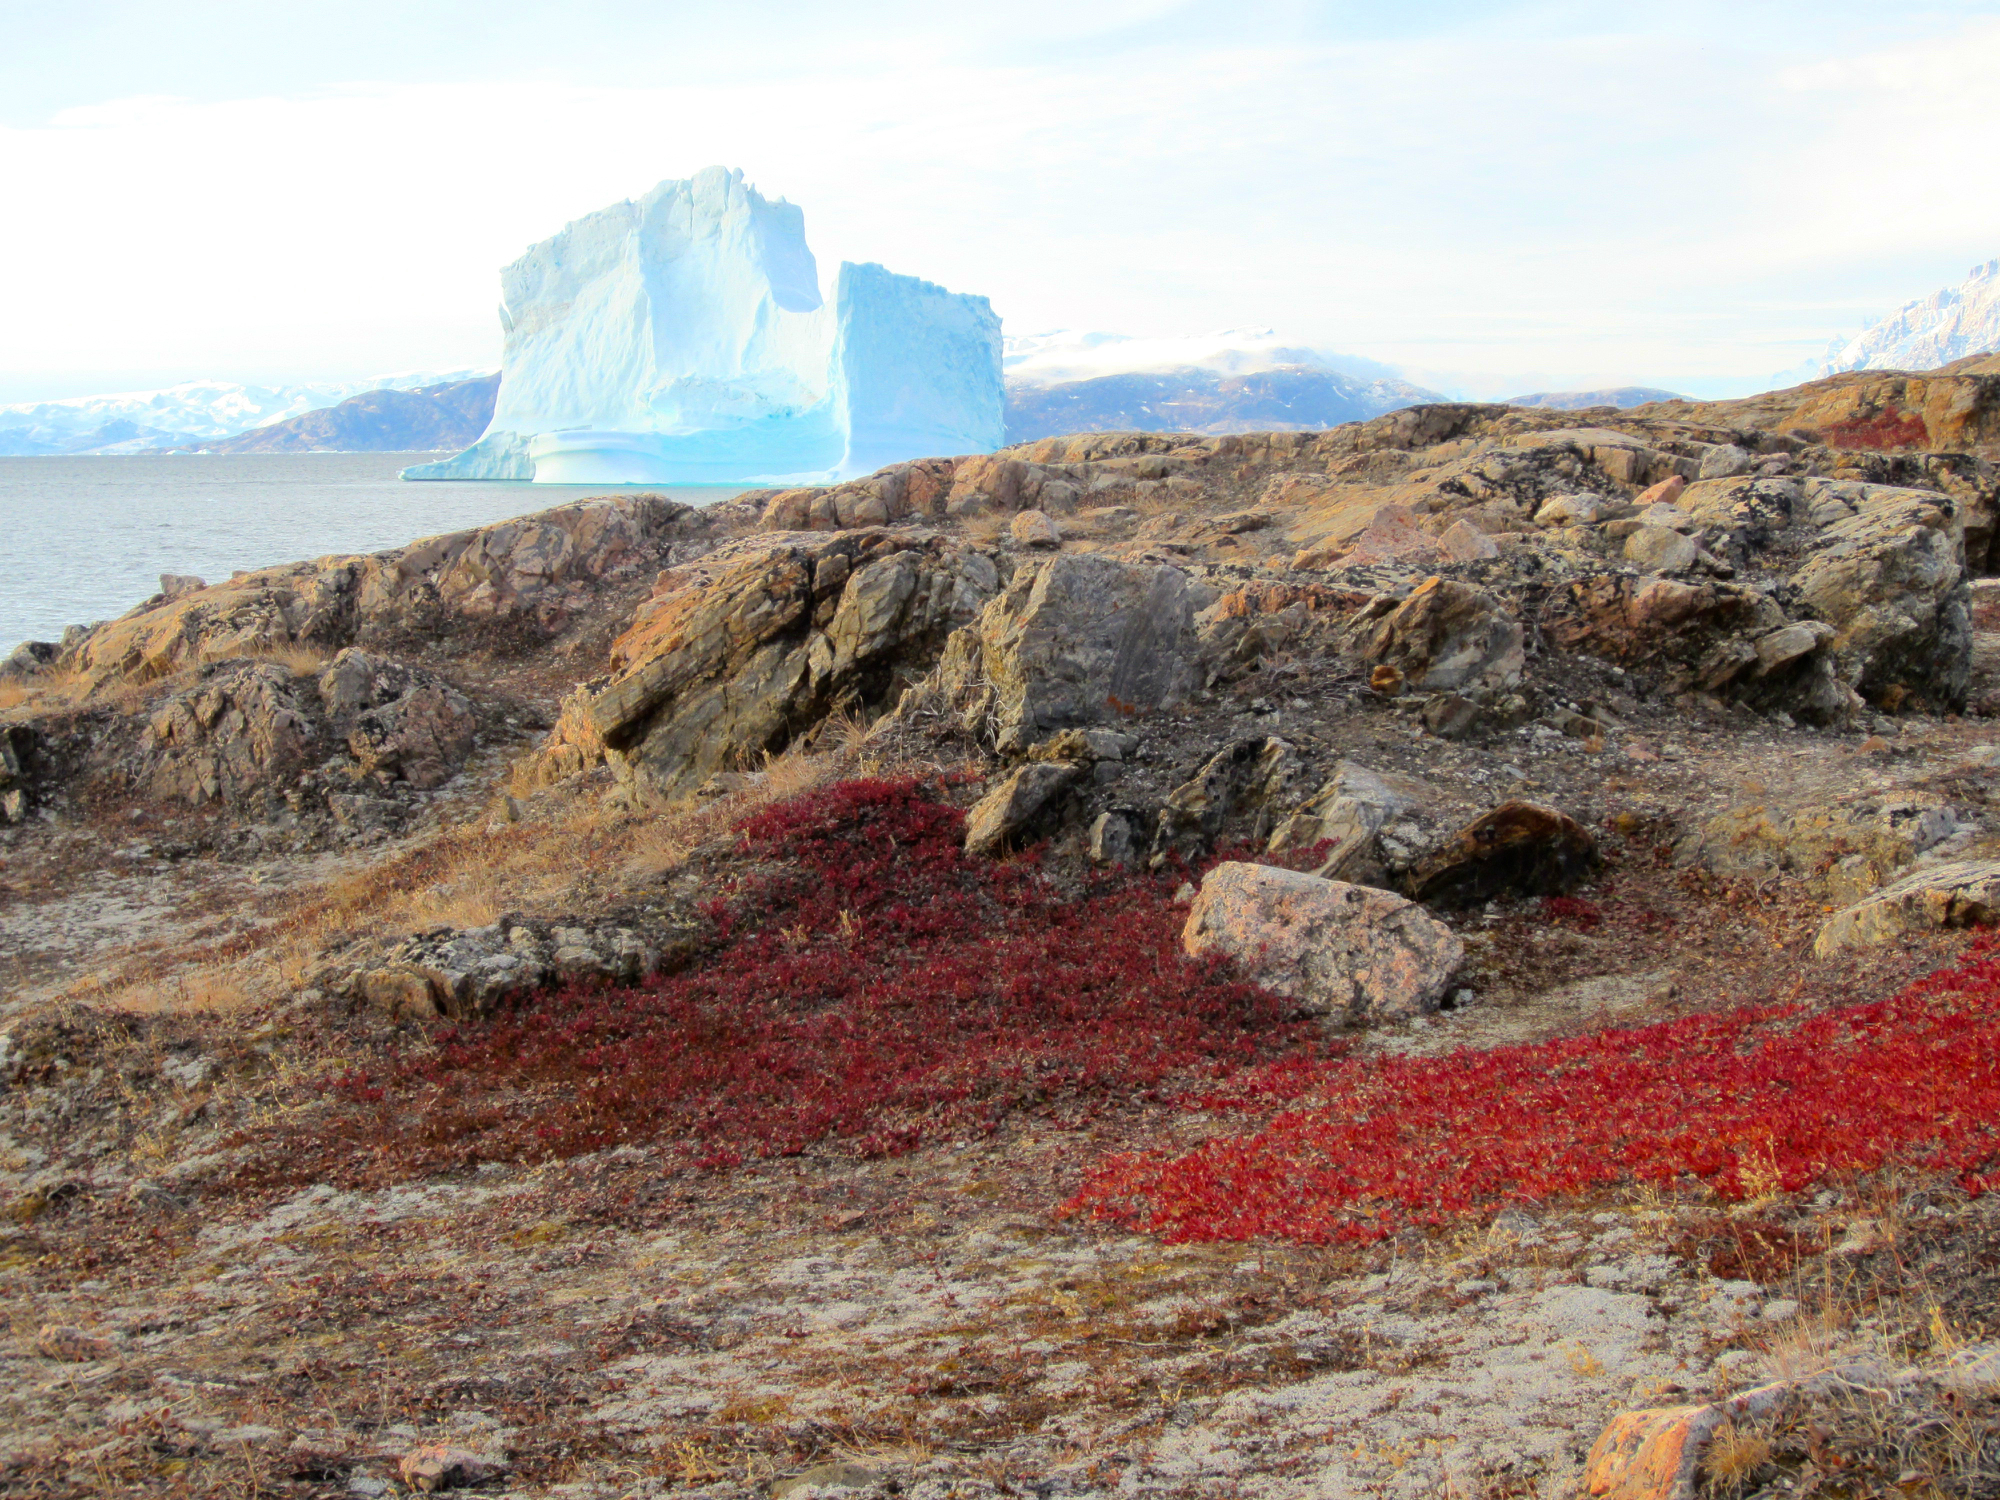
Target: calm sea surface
[85,539]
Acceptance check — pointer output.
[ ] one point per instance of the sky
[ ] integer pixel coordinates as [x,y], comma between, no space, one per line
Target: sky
[1492,196]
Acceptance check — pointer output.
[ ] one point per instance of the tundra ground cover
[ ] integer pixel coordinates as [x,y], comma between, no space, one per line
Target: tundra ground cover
[868,987]
[1746,1103]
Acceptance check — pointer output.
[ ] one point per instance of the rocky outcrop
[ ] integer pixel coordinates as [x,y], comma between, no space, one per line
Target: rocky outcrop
[464,974]
[1021,801]
[1350,954]
[1964,893]
[1889,577]
[1840,851]
[534,574]
[1252,776]
[1517,849]
[1071,642]
[1956,410]
[258,735]
[1444,638]
[763,640]
[892,494]
[239,735]
[17,754]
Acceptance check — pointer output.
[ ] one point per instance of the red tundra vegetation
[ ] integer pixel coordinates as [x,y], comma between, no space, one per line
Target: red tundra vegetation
[868,987]
[1754,1101]
[1885,430]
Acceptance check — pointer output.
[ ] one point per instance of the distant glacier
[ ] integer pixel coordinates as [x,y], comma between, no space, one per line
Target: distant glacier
[180,416]
[682,339]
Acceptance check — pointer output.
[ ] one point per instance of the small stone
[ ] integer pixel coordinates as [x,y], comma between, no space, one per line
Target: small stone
[1666,492]
[1035,528]
[1569,510]
[71,1345]
[438,1466]
[1464,543]
[1658,549]
[1016,805]
[1117,838]
[1778,1309]
[833,1476]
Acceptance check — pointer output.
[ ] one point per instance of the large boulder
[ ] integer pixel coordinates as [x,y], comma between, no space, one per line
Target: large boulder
[1964,893]
[1840,850]
[1072,642]
[1890,580]
[760,641]
[1349,953]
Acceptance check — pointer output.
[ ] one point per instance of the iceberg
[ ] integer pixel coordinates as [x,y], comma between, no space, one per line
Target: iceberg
[681,338]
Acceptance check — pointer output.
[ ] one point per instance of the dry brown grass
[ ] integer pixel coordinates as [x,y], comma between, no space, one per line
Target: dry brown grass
[300,659]
[197,992]
[51,692]
[44,692]
[569,846]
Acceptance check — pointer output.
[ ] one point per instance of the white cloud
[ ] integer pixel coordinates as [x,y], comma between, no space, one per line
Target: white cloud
[1509,195]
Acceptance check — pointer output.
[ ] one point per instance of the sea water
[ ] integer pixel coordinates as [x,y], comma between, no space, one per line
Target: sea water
[85,539]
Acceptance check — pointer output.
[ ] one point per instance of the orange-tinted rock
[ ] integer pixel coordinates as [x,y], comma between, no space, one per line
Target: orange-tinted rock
[1349,953]
[1655,1454]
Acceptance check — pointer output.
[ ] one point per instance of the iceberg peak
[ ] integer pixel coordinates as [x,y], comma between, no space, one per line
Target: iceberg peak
[681,337]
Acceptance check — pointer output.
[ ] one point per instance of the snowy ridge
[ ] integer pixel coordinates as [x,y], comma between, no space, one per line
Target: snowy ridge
[1065,355]
[1949,324]
[181,415]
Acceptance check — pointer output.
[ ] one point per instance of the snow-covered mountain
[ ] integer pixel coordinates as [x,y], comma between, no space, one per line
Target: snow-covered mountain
[1235,380]
[1947,325]
[182,415]
[1065,355]
[1620,396]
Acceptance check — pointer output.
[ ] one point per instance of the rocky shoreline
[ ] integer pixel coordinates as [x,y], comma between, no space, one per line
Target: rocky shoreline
[1465,727]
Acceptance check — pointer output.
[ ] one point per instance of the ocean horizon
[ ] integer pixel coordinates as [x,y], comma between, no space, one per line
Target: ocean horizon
[91,535]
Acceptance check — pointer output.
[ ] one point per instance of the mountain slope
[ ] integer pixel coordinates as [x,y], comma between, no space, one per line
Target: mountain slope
[425,420]
[1619,396]
[196,411]
[1950,324]
[1290,399]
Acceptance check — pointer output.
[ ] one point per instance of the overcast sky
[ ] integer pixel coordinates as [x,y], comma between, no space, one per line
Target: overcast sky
[1494,195]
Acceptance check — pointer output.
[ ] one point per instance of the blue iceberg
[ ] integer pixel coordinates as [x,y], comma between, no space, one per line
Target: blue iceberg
[682,339]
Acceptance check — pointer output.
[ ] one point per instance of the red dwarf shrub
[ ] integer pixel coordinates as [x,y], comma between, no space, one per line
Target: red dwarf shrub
[868,989]
[1884,430]
[1746,1102]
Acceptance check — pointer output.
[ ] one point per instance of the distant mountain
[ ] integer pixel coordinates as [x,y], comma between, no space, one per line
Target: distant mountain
[1619,396]
[428,419]
[196,411]
[1294,398]
[1952,324]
